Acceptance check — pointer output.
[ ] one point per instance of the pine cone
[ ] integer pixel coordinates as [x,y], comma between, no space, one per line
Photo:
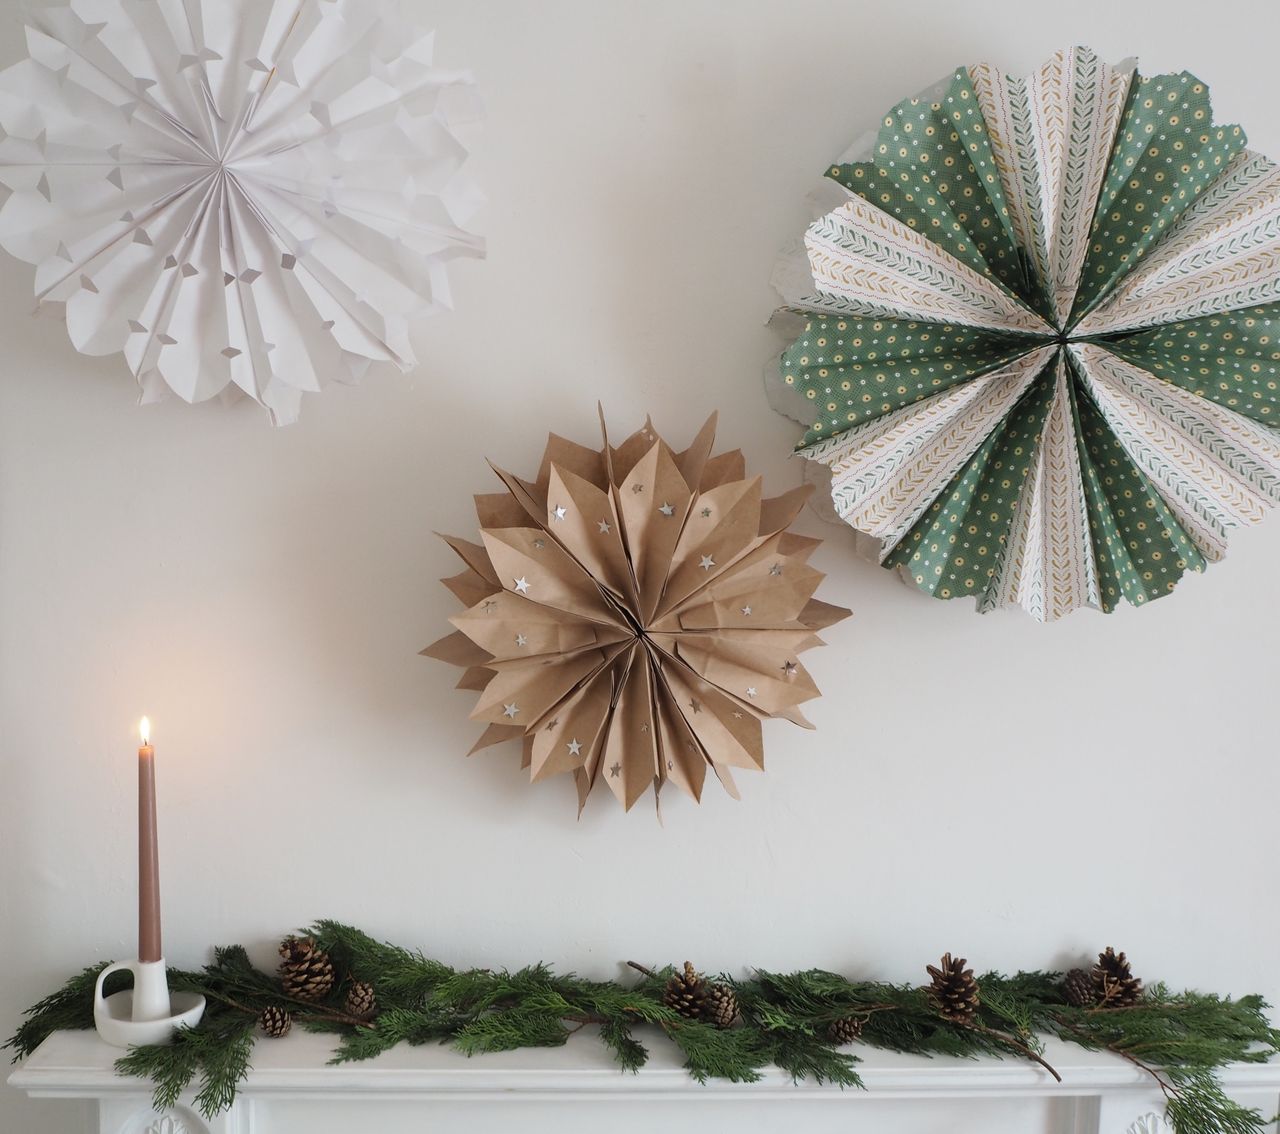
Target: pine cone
[686,992]
[721,1007]
[276,1022]
[1078,990]
[1114,984]
[361,999]
[954,991]
[846,1029]
[306,972]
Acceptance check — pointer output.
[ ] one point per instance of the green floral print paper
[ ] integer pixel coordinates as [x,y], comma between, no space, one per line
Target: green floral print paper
[1042,336]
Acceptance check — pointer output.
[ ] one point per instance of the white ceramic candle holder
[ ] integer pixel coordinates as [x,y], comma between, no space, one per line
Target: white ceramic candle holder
[147,1012]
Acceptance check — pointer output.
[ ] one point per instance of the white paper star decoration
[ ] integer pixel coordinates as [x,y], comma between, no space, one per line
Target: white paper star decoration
[243,196]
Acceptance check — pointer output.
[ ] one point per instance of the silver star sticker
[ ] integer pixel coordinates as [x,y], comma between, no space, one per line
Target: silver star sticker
[574,747]
[751,690]
[707,563]
[521,585]
[615,770]
[644,727]
[667,510]
[560,512]
[521,640]
[510,710]
[747,611]
[694,705]
[605,527]
[706,513]
[552,723]
[637,488]
[776,569]
[789,669]
[670,766]
[737,714]
[489,606]
[539,544]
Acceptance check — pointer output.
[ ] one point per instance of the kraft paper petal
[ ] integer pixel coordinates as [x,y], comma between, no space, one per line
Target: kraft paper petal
[795,716]
[474,556]
[796,546]
[722,469]
[475,678]
[740,670]
[694,459]
[524,693]
[722,524]
[818,615]
[780,512]
[570,456]
[631,628]
[726,779]
[575,729]
[654,500]
[623,459]
[529,563]
[629,762]
[457,649]
[726,731]
[500,510]
[682,761]
[789,640]
[511,627]
[782,582]
[752,606]
[469,587]
[530,497]
[583,519]
[495,734]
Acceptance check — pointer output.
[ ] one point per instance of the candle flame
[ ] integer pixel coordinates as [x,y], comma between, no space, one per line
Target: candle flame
[144,730]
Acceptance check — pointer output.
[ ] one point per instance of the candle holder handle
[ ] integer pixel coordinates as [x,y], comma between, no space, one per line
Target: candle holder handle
[145,1013]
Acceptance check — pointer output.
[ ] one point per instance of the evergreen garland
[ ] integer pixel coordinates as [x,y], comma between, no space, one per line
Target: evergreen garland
[785,1020]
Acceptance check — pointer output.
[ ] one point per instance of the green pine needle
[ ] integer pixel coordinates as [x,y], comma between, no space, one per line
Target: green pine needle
[1181,1039]
[217,1049]
[630,1053]
[70,1008]
[736,1054]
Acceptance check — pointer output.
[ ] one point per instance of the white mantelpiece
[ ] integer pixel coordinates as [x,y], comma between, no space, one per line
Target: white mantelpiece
[292,1090]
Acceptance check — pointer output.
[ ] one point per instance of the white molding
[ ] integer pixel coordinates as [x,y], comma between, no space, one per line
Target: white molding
[133,1114]
[79,1065]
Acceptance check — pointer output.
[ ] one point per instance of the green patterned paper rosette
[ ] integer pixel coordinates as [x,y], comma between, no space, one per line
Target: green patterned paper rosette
[1042,336]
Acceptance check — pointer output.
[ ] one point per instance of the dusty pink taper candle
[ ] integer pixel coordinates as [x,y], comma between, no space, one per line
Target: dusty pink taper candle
[148,856]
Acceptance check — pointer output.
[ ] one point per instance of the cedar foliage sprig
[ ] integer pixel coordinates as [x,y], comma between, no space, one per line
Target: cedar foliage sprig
[64,1009]
[1181,1040]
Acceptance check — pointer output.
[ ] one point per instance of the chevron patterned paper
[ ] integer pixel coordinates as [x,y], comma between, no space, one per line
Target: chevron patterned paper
[1043,347]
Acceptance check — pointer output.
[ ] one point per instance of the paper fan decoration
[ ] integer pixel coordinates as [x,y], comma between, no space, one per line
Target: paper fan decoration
[635,613]
[243,196]
[1041,340]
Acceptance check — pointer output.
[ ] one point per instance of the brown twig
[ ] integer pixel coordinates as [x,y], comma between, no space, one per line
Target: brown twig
[1017,1044]
[1104,1009]
[1169,1090]
[310,1009]
[642,969]
[581,1022]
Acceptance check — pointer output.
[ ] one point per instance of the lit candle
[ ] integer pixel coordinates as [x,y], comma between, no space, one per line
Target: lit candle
[148,856]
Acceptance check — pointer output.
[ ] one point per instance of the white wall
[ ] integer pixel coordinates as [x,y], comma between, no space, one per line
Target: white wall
[1019,793]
